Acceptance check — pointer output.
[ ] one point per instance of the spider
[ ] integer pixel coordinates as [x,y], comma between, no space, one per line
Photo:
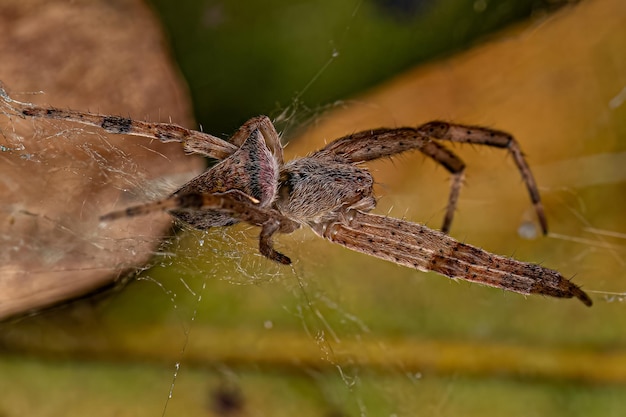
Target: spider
[331,192]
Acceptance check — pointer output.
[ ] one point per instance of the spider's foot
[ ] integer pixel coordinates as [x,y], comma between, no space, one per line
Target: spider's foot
[577,292]
[276,257]
[266,249]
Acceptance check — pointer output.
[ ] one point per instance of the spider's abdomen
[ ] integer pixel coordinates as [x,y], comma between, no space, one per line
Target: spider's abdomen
[313,190]
[252,169]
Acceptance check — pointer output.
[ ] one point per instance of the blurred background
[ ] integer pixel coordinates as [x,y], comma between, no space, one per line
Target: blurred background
[205,325]
[299,58]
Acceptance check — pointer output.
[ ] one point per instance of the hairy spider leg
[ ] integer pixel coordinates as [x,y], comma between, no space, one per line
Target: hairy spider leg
[416,246]
[193,141]
[234,203]
[477,135]
[386,142]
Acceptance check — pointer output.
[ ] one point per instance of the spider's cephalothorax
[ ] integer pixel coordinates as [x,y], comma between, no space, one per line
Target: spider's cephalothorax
[314,190]
[330,192]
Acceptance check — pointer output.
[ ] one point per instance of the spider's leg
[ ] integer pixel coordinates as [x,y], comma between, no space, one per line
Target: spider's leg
[456,168]
[182,201]
[373,144]
[193,141]
[245,209]
[416,246]
[265,242]
[377,143]
[490,137]
[234,203]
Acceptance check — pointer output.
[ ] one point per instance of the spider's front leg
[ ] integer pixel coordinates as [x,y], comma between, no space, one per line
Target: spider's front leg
[233,203]
[193,141]
[416,246]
